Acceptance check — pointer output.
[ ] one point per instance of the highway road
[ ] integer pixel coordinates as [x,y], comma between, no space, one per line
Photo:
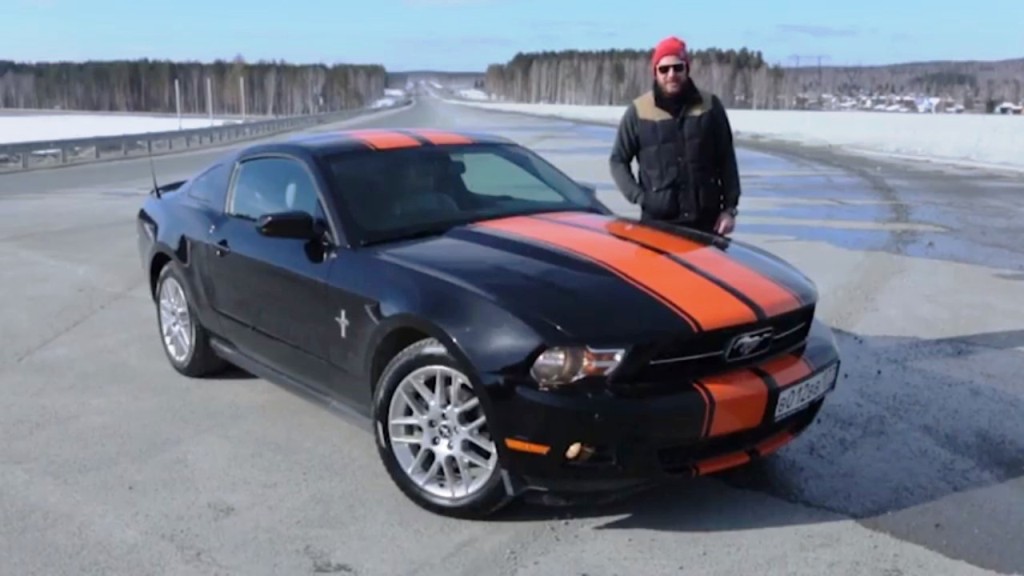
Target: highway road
[110,463]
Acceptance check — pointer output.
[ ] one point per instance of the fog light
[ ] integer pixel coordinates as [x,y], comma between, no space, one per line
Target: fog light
[578,450]
[574,450]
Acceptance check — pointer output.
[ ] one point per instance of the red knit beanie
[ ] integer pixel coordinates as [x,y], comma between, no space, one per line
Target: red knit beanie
[670,46]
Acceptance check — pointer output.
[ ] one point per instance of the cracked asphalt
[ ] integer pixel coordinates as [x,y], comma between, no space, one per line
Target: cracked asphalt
[110,463]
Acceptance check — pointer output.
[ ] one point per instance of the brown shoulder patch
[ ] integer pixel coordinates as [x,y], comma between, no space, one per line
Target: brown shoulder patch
[647,110]
[703,107]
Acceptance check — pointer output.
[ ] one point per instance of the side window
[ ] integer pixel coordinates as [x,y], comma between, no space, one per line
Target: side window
[490,174]
[267,185]
[210,186]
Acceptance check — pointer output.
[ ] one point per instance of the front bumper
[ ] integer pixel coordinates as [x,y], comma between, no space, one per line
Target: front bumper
[609,443]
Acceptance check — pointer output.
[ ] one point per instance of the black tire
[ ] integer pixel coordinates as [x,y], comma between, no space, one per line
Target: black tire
[200,359]
[490,497]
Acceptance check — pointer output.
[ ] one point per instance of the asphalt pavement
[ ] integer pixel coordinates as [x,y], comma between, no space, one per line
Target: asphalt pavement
[111,463]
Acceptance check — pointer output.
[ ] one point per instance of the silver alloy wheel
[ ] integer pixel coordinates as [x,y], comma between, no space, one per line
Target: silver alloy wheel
[439,433]
[175,320]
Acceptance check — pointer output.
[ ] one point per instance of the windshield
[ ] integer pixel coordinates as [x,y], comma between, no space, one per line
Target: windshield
[402,193]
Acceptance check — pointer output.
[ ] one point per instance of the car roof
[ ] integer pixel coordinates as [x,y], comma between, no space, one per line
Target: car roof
[368,139]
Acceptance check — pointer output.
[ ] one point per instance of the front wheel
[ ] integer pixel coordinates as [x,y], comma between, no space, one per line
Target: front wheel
[185,340]
[432,434]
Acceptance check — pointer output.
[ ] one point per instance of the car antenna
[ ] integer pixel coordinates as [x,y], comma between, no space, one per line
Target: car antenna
[152,169]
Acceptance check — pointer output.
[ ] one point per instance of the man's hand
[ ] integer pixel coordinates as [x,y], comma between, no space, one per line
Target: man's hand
[726,223]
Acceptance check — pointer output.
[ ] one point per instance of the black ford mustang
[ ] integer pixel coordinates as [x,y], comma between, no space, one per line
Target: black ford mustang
[496,326]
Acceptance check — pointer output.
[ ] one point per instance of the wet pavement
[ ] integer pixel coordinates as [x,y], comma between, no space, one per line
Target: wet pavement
[951,214]
[112,463]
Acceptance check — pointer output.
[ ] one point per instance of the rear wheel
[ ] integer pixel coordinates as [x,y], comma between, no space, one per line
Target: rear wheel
[432,434]
[184,339]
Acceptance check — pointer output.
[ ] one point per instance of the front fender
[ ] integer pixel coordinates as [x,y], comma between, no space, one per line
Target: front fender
[481,334]
[168,231]
[159,242]
[487,338]
[489,335]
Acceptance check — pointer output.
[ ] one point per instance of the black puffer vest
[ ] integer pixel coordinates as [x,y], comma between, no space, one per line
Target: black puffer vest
[676,156]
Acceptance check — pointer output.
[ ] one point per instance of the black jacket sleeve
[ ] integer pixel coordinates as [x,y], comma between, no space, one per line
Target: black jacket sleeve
[624,150]
[726,155]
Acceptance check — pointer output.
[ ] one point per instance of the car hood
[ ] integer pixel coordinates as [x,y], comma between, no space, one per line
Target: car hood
[603,279]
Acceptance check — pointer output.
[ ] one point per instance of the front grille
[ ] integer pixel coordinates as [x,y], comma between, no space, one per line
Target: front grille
[675,361]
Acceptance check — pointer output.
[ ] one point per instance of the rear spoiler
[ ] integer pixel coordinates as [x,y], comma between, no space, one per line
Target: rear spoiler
[160,190]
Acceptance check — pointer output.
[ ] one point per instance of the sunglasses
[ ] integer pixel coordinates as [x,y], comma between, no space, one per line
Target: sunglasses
[677,68]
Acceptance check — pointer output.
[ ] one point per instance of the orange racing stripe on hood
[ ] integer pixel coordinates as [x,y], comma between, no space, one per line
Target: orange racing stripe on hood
[441,137]
[763,292]
[384,139]
[689,294]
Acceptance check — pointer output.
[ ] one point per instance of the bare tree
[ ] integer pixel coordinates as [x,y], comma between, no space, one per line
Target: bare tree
[148,86]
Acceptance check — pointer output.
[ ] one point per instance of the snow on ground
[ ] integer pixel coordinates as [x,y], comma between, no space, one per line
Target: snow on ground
[40,127]
[391,96]
[969,139]
[474,94]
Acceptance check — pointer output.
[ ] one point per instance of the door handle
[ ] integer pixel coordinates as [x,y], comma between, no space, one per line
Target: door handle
[222,248]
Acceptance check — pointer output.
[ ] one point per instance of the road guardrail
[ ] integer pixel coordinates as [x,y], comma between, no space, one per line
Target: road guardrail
[21,156]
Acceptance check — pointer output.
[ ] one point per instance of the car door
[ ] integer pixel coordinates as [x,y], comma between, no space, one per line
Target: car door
[273,290]
[356,316]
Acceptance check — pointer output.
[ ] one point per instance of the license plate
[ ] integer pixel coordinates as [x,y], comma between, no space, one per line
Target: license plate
[799,395]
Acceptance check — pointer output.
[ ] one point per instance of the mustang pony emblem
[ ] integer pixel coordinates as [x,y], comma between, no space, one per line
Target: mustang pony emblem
[749,344]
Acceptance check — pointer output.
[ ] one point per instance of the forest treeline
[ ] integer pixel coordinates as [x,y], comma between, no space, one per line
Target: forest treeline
[965,82]
[743,79]
[270,88]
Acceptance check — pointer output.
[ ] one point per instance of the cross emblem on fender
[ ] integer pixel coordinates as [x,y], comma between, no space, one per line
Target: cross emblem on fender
[342,321]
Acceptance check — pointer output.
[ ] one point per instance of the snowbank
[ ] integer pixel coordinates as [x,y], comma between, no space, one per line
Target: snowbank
[391,97]
[970,139]
[474,94]
[33,127]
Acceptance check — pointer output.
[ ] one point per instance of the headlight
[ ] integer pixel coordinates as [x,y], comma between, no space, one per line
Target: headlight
[561,366]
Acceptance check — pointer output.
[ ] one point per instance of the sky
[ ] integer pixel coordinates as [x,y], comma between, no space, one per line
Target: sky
[471,34]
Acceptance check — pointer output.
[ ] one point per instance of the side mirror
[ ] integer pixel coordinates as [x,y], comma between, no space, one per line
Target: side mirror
[588,189]
[295,224]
